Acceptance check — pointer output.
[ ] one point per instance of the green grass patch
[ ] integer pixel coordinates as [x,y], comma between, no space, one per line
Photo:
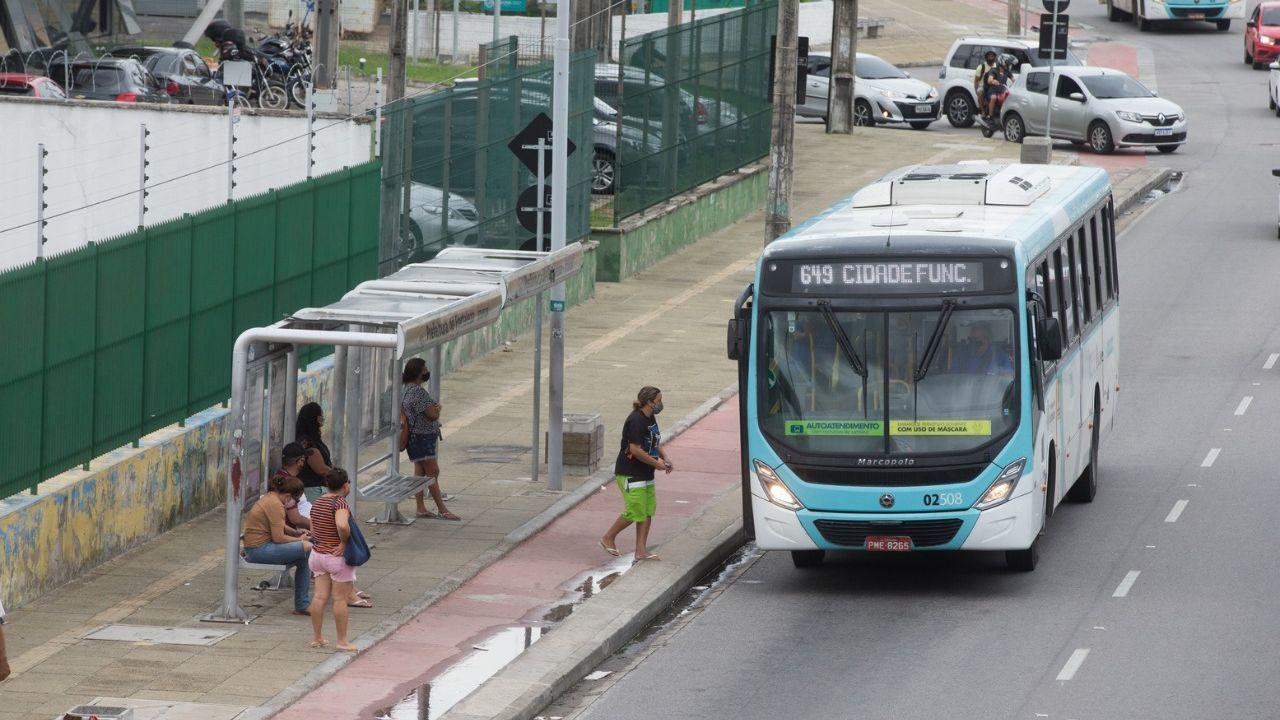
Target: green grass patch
[421,71]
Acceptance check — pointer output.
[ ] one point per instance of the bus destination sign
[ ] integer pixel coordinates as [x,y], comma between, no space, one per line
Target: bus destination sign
[888,277]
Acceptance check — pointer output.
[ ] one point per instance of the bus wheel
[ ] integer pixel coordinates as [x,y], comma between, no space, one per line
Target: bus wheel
[808,558]
[1086,487]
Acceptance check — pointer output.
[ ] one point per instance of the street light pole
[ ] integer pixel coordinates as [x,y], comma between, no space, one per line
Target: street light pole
[559,230]
[777,218]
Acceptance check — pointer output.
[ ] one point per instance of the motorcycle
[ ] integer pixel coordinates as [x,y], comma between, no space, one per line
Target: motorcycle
[262,90]
[991,125]
[289,57]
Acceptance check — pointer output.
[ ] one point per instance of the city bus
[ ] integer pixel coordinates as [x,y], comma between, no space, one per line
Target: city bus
[1146,12]
[931,364]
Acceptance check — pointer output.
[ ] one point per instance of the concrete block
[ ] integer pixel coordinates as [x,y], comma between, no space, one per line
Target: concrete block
[1037,150]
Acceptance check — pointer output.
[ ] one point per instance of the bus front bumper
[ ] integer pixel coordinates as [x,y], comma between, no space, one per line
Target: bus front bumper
[1011,526]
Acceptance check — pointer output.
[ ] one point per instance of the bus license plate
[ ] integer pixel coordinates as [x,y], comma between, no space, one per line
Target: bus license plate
[1164,132]
[1195,16]
[923,109]
[888,543]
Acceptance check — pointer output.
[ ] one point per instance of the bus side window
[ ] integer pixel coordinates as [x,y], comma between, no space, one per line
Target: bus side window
[1063,305]
[1097,261]
[1109,233]
[1082,272]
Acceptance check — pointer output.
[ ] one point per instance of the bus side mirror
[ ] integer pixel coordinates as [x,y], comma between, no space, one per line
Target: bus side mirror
[1049,337]
[735,338]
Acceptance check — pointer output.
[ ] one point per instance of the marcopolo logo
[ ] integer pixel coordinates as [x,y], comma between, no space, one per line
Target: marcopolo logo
[795,428]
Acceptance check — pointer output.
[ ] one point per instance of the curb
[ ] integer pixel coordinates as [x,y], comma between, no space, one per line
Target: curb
[547,670]
[327,669]
[1154,177]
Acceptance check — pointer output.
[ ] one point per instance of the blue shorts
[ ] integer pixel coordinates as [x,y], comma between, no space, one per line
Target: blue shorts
[422,447]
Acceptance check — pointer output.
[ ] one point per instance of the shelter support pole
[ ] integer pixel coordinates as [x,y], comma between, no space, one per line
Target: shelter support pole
[291,396]
[339,410]
[537,381]
[351,430]
[437,370]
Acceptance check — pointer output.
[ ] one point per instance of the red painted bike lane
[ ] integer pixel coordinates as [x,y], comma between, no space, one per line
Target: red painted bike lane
[527,587]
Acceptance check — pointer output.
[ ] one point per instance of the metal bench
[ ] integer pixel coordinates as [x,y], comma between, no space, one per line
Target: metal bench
[282,578]
[390,490]
[873,26]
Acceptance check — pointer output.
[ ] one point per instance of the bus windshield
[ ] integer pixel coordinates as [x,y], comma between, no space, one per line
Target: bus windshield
[886,396]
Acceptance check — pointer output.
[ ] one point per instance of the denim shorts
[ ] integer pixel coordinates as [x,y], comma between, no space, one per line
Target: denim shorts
[422,447]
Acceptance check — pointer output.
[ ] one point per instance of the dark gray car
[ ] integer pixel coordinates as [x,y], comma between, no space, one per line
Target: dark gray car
[188,79]
[119,79]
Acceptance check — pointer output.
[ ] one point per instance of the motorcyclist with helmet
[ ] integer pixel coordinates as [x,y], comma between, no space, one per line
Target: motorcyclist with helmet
[996,83]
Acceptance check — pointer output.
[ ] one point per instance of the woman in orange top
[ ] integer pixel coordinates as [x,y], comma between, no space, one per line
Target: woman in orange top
[268,537]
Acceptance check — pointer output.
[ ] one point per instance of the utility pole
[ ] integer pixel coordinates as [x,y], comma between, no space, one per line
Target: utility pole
[844,51]
[232,12]
[675,8]
[399,38]
[777,212]
[328,26]
[559,232]
[1014,17]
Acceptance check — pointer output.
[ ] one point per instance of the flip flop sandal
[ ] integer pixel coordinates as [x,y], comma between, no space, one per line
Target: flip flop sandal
[611,550]
[426,514]
[361,603]
[363,595]
[449,516]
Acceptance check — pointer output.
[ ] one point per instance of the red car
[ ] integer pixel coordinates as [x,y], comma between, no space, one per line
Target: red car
[1262,35]
[30,86]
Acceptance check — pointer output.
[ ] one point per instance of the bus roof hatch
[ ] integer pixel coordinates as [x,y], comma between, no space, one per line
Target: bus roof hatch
[969,184]
[1017,185]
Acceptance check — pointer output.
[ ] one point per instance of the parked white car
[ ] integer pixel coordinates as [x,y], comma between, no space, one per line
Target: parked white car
[882,93]
[433,227]
[1274,91]
[956,77]
[1101,107]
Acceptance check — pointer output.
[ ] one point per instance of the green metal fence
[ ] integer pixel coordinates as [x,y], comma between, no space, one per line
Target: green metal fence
[449,177]
[120,338]
[694,102]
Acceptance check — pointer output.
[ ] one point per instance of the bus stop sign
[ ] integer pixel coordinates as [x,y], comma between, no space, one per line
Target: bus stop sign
[1053,36]
[1055,6]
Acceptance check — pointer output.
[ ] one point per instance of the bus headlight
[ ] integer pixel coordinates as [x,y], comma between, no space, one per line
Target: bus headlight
[1002,489]
[774,489]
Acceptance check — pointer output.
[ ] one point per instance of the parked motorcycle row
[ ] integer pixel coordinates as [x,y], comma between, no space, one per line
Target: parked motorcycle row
[279,71]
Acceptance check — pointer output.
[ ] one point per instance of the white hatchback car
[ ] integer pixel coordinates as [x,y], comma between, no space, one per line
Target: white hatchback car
[1101,107]
[959,102]
[882,93]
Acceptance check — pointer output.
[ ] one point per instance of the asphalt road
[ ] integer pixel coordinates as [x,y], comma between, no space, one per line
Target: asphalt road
[1159,600]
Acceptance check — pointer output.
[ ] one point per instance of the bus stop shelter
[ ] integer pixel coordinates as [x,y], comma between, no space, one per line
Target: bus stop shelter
[373,330]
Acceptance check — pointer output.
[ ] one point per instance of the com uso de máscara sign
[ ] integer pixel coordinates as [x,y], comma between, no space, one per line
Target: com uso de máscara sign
[889,277]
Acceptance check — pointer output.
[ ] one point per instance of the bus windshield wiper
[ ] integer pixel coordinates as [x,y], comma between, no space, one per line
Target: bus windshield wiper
[935,340]
[842,339]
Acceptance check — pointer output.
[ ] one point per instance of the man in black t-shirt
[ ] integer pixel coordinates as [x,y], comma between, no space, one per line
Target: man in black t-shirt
[639,455]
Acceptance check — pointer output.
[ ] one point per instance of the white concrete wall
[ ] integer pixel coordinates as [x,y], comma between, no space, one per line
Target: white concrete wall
[93,157]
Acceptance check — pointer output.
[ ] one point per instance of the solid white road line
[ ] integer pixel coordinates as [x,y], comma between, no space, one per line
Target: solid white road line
[1208,459]
[1122,590]
[1176,512]
[1073,664]
[1244,405]
[1271,361]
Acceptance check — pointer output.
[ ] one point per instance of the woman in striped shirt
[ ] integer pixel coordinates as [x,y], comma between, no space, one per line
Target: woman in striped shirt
[334,578]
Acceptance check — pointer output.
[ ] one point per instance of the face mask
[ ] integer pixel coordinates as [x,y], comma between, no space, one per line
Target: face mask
[426,376]
[657,408]
[320,421]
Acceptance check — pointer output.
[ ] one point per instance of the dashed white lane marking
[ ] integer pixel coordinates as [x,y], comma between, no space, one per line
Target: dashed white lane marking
[1271,361]
[1244,404]
[1074,662]
[1176,512]
[1122,590]
[1208,459]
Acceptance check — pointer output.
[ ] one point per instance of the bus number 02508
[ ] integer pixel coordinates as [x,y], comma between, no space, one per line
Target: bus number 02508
[943,499]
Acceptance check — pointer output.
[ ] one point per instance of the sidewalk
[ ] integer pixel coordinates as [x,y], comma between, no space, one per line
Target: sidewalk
[665,327]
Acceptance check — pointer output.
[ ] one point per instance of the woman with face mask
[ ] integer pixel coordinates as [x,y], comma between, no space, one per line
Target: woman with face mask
[639,456]
[319,461]
[423,414]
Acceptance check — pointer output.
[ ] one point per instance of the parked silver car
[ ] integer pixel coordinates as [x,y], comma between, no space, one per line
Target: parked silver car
[1099,106]
[433,227]
[882,93]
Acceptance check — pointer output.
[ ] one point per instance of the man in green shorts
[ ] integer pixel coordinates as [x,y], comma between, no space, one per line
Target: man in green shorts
[639,456]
